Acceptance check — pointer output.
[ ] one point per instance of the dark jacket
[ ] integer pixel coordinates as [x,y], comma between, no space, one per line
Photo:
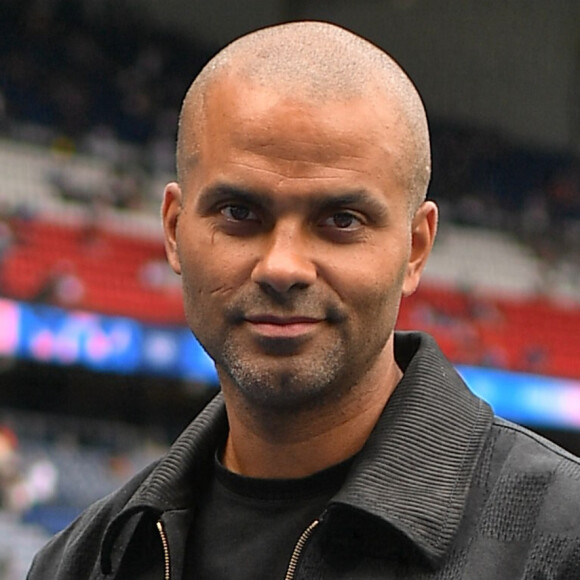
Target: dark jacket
[442,489]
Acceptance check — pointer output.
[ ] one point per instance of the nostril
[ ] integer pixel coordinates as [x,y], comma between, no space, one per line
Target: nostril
[282,275]
[281,295]
[285,263]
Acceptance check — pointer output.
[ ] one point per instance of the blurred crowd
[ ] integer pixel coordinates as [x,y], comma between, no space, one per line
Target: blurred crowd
[50,469]
[23,484]
[91,87]
[482,179]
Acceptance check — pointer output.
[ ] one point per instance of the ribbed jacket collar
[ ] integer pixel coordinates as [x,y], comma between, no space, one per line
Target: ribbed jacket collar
[414,472]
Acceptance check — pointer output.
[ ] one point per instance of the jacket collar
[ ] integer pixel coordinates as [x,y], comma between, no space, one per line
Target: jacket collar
[413,473]
[174,481]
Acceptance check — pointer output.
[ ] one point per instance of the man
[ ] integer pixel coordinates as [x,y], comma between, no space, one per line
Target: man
[337,448]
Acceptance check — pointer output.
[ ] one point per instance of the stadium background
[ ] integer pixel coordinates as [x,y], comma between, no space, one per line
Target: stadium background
[97,371]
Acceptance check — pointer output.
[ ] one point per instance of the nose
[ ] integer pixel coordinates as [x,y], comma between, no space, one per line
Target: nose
[285,263]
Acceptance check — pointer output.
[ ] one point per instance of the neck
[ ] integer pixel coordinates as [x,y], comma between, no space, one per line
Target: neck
[263,443]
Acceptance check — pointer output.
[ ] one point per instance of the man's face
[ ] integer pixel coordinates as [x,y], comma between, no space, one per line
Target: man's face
[292,233]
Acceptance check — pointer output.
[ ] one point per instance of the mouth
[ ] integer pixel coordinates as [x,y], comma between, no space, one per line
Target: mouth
[268,325]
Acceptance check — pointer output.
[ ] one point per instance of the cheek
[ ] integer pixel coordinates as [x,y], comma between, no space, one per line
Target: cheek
[210,271]
[205,290]
[369,279]
[376,300]
[381,297]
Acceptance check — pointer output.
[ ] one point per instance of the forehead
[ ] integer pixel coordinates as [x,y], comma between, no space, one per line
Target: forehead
[298,124]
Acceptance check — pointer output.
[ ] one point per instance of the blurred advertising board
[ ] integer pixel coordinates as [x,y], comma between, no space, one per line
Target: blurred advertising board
[116,344]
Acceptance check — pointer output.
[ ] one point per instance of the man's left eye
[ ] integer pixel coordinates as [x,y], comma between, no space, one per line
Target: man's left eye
[343,220]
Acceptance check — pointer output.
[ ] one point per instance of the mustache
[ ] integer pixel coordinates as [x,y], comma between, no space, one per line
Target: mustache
[305,304]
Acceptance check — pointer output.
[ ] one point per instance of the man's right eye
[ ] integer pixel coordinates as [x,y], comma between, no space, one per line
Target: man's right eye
[238,213]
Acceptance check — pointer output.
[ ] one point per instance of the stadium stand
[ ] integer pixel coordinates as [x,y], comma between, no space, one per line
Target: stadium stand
[62,466]
[18,544]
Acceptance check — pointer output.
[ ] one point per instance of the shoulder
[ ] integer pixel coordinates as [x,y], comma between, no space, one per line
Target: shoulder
[74,552]
[529,493]
[533,453]
[532,478]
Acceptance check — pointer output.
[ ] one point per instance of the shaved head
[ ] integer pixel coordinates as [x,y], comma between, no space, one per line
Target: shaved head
[317,62]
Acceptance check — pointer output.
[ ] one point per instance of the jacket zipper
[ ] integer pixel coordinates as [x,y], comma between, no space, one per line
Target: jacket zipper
[165,543]
[291,566]
[298,550]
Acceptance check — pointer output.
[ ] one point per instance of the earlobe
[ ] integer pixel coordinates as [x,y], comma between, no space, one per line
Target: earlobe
[170,210]
[424,230]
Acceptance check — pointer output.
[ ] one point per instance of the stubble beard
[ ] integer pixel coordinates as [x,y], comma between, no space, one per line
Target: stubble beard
[308,379]
[287,384]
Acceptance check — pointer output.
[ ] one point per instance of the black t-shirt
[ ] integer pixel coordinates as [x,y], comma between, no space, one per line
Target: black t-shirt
[247,528]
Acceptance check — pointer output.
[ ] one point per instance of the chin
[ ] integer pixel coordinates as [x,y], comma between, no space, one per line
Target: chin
[283,389]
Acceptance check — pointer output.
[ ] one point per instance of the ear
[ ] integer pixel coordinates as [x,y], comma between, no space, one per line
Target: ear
[423,231]
[170,210]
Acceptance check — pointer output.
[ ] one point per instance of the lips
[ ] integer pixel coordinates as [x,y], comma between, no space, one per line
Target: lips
[282,326]
[281,320]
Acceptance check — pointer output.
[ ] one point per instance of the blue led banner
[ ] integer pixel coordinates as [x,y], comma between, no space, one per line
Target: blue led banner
[117,344]
[104,343]
[527,399]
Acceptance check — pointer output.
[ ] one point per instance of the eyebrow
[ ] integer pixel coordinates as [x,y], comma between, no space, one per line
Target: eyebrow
[320,201]
[226,192]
